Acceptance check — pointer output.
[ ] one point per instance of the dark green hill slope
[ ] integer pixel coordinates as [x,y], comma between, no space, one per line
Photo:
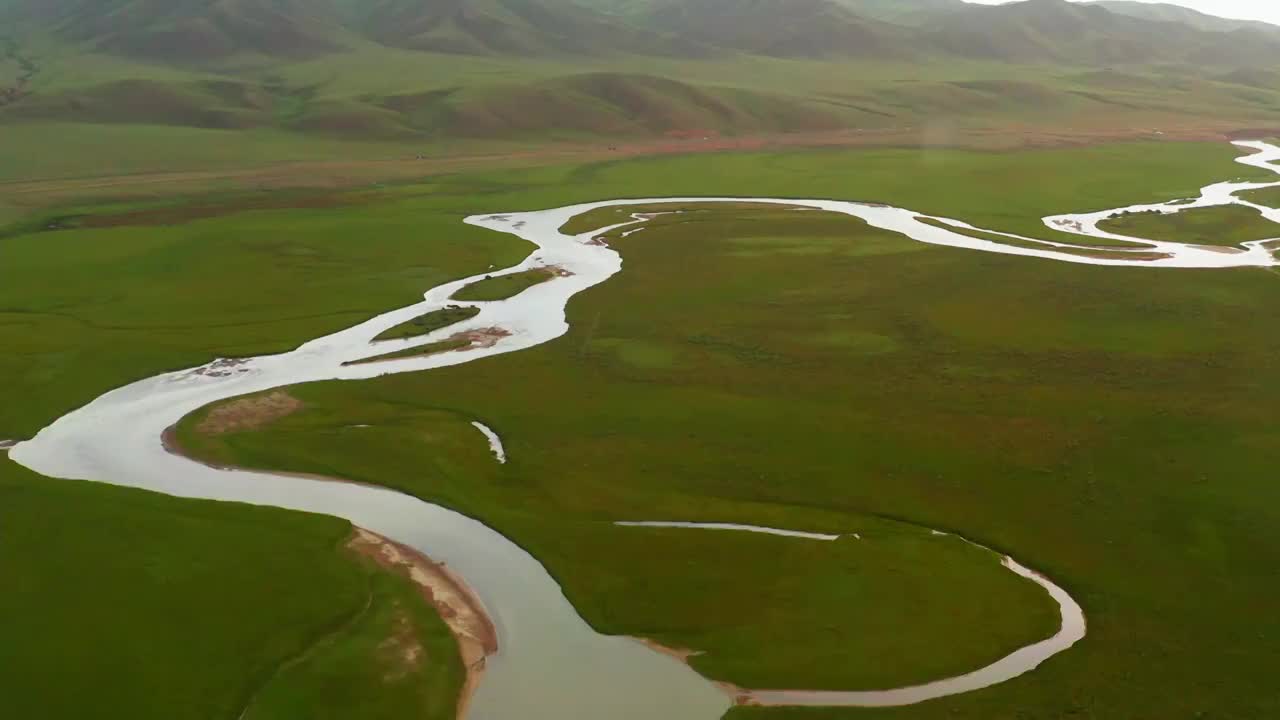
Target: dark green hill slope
[617,104]
[782,28]
[439,70]
[1031,31]
[1048,31]
[187,31]
[183,31]
[514,27]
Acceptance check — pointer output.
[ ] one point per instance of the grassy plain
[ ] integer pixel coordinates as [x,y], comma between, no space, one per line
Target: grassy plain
[1222,225]
[126,304]
[127,604]
[1106,425]
[130,306]
[858,613]
[434,348]
[86,310]
[88,111]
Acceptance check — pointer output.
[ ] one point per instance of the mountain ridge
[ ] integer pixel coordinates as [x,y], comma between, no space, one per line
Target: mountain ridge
[1046,31]
[507,69]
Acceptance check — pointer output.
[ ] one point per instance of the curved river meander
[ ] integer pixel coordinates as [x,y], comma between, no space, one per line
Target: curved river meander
[551,665]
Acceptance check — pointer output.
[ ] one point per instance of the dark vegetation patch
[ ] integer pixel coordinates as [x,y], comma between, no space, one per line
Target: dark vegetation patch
[182,213]
[25,70]
[193,104]
[1226,225]
[481,338]
[430,322]
[351,119]
[435,348]
[615,104]
[501,287]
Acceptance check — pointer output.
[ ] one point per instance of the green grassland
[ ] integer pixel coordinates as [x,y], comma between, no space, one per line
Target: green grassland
[822,615]
[1107,426]
[1222,225]
[130,303]
[967,185]
[127,303]
[126,604]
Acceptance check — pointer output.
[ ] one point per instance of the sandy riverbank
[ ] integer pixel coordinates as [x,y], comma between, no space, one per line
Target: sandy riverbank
[457,604]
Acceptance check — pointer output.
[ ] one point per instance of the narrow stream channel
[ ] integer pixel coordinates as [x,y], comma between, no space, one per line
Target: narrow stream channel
[551,666]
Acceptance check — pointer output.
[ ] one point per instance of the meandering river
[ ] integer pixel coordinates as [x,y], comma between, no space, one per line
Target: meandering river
[551,665]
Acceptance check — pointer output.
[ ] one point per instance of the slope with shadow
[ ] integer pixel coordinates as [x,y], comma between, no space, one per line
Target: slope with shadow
[206,104]
[202,31]
[588,104]
[780,28]
[512,27]
[612,104]
[487,69]
[179,32]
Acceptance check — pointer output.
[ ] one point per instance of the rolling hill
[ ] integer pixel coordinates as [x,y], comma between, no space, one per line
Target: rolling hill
[438,70]
[214,30]
[780,28]
[178,32]
[511,27]
[906,12]
[1052,31]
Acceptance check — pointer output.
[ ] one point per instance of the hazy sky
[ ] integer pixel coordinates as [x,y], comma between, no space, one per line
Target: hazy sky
[1268,10]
